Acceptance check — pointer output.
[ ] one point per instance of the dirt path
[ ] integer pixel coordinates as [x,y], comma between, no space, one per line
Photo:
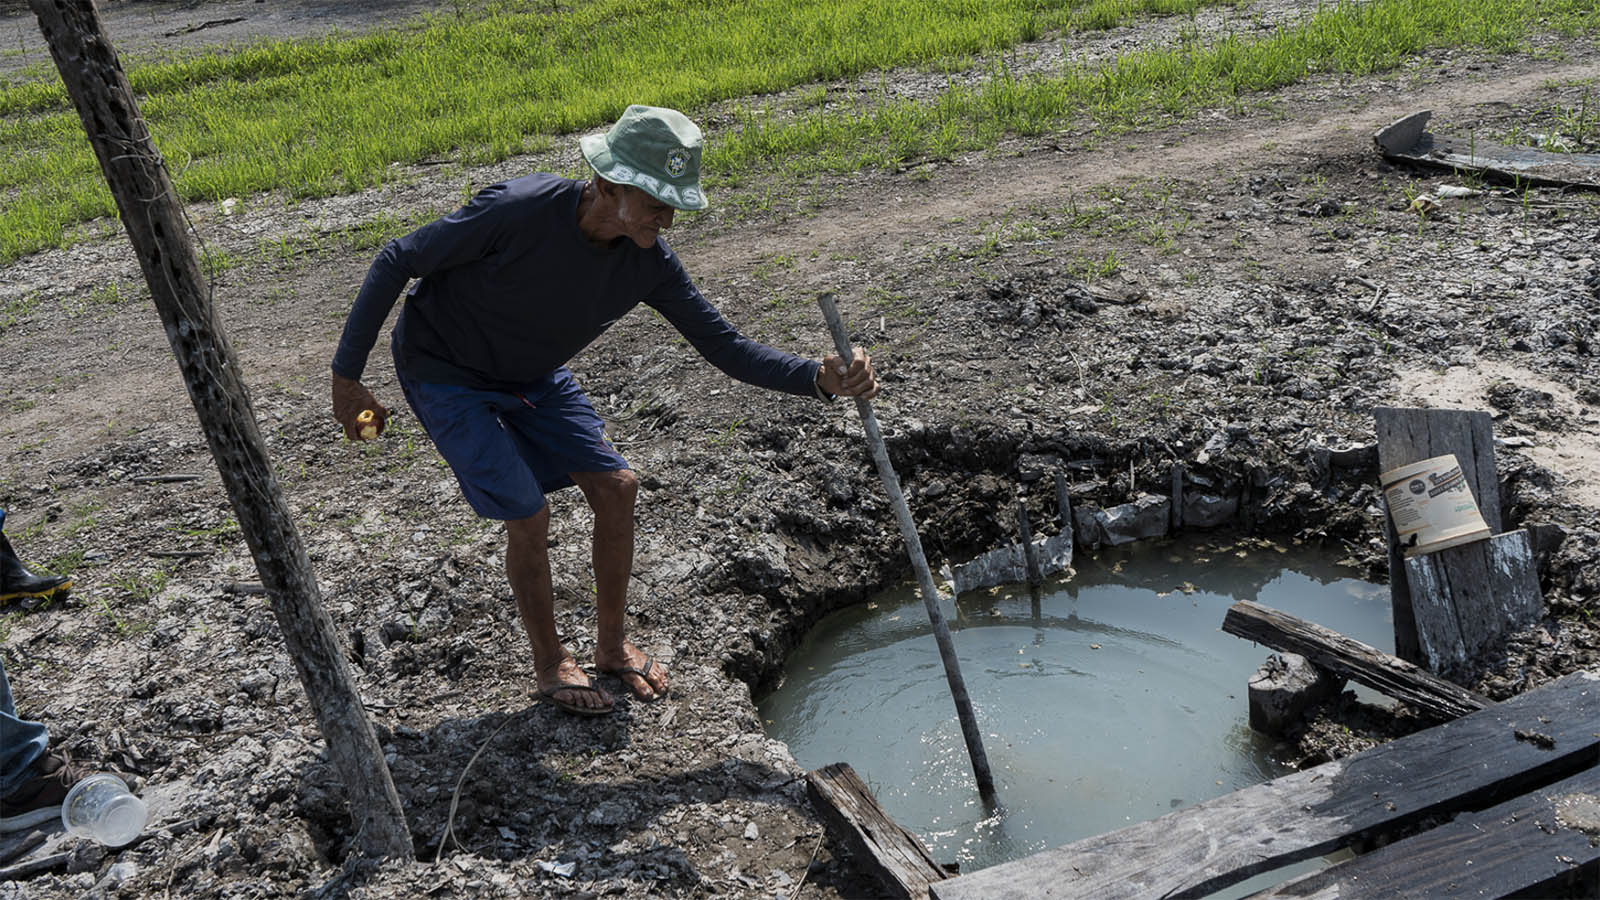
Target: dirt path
[150,29]
[1216,148]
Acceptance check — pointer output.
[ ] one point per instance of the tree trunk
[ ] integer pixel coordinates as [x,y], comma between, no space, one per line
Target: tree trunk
[157,228]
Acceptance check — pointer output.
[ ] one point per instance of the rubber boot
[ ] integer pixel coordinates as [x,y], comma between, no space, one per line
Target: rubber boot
[16,581]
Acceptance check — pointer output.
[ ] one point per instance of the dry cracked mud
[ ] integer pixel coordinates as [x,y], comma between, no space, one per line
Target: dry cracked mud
[1233,291]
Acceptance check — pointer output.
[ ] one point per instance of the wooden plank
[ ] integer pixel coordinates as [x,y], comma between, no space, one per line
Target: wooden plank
[1467,763]
[1352,659]
[890,853]
[1536,843]
[1469,598]
[1436,629]
[1408,435]
[1408,139]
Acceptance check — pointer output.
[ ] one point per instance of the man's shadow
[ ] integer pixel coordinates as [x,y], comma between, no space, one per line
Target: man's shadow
[537,783]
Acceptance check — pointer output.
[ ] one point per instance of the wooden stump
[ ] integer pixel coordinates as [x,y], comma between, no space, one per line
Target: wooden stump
[1284,688]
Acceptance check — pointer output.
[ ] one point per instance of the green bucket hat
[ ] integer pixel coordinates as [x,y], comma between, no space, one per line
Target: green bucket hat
[654,149]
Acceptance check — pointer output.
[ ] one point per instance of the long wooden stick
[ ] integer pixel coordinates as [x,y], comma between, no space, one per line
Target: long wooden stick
[158,230]
[919,562]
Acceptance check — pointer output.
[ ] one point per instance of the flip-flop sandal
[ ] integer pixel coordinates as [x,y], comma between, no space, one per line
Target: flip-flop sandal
[548,695]
[644,675]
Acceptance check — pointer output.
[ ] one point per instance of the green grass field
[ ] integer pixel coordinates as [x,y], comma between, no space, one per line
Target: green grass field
[322,117]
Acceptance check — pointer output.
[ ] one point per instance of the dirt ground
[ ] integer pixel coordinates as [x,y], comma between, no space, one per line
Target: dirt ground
[1233,292]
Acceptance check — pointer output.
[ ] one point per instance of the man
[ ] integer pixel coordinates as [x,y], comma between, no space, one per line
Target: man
[510,288]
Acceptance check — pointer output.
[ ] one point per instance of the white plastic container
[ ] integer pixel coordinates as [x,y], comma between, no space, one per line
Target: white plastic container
[1431,506]
[101,807]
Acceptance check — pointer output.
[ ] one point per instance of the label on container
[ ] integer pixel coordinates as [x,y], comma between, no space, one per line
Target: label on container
[1431,505]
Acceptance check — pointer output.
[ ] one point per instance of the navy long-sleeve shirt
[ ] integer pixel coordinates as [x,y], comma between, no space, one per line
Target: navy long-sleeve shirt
[509,290]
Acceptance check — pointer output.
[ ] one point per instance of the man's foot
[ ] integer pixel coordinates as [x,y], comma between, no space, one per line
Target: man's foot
[38,799]
[637,669]
[567,687]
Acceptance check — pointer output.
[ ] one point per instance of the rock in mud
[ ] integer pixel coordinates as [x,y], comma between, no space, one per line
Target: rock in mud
[1144,518]
[1208,510]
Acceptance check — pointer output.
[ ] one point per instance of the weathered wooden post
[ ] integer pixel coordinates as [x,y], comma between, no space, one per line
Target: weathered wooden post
[1175,521]
[1063,504]
[1030,553]
[919,563]
[1407,435]
[156,227]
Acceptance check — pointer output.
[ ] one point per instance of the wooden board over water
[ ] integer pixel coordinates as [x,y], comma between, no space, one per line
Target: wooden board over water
[892,854]
[1499,752]
[1527,844]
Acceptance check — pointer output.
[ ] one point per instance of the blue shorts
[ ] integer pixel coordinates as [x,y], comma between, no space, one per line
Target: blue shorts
[508,450]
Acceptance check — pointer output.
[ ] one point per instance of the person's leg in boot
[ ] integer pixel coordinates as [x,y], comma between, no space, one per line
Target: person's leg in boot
[15,579]
[33,781]
[611,495]
[561,680]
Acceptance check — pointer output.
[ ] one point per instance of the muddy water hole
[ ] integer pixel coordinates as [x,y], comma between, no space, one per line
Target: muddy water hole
[1110,699]
[1232,291]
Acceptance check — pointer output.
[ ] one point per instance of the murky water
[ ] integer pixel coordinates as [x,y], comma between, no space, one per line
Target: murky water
[1115,699]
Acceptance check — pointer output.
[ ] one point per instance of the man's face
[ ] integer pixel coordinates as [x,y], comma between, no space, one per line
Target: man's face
[641,216]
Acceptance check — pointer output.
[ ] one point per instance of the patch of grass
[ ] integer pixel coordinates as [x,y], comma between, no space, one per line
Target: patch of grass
[332,115]
[103,300]
[138,589]
[82,519]
[16,311]
[1089,268]
[728,435]
[224,531]
[773,264]
[64,563]
[1571,129]
[379,230]
[1347,37]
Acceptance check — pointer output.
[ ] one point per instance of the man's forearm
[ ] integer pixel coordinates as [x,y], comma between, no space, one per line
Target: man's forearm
[384,282]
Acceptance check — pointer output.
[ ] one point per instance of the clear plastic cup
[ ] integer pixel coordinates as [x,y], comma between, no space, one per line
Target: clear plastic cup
[101,807]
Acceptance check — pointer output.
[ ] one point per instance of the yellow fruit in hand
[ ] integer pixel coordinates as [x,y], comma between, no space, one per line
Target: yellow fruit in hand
[367,423]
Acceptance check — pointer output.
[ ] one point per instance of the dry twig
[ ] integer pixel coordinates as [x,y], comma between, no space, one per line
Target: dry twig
[814,849]
[449,832]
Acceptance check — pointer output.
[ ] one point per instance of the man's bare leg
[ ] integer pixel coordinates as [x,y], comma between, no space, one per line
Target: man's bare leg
[528,570]
[611,495]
